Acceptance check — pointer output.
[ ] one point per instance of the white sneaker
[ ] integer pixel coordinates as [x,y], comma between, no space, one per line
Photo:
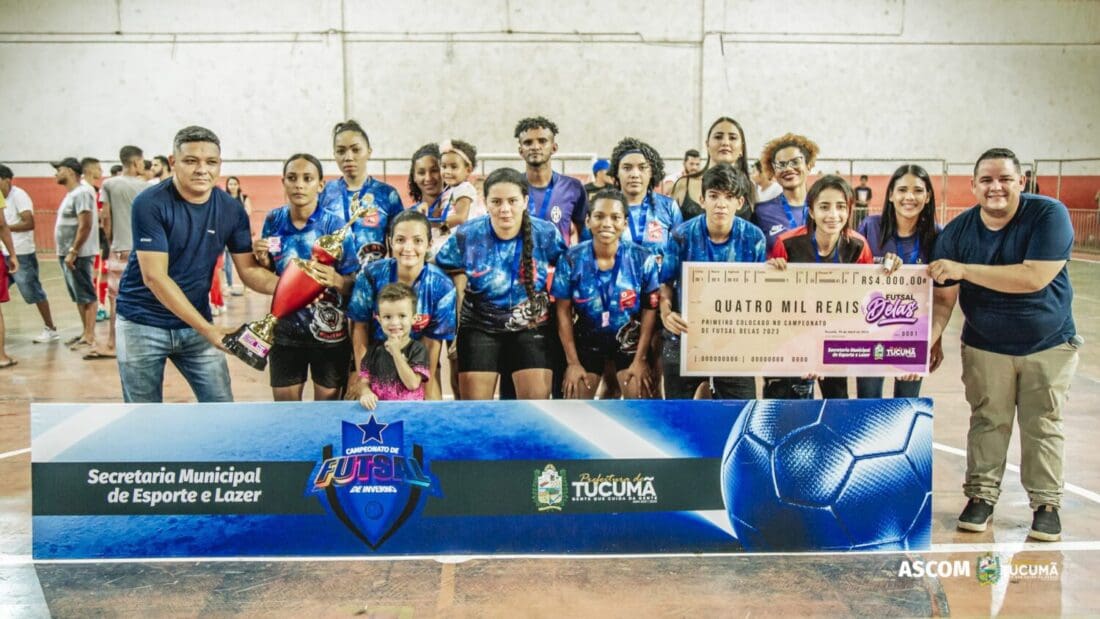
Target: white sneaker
[47,335]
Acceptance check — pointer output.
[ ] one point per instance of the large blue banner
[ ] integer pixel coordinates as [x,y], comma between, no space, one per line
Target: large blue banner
[266,479]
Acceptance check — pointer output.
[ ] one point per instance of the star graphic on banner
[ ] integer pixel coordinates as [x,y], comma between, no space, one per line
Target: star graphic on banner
[372,430]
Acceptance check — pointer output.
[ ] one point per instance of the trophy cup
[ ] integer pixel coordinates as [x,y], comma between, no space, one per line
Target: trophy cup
[296,289]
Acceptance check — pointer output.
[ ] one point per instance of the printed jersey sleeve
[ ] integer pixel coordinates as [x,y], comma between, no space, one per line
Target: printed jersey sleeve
[670,261]
[651,283]
[562,288]
[361,305]
[394,205]
[150,229]
[449,258]
[556,249]
[580,209]
[442,325]
[270,225]
[1051,235]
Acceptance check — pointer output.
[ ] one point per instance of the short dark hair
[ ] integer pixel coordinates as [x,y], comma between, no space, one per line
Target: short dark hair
[862,177]
[164,161]
[997,153]
[116,169]
[756,166]
[126,153]
[193,133]
[148,164]
[87,161]
[692,153]
[350,125]
[725,177]
[535,122]
[5,172]
[608,193]
[396,292]
[506,175]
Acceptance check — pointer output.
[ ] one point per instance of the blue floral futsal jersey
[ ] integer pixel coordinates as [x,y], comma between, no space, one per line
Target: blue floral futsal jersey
[323,322]
[435,300]
[691,243]
[608,304]
[370,231]
[496,299]
[651,223]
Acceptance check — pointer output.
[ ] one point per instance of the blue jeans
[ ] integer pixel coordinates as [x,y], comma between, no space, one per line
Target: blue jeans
[871,387]
[142,351]
[27,279]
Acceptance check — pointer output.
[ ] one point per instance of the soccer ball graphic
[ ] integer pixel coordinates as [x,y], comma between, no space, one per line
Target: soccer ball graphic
[830,475]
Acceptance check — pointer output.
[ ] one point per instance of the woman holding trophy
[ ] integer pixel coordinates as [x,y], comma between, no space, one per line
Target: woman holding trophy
[313,339]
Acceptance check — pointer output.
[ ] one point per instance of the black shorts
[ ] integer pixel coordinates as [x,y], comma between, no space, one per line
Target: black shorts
[481,351]
[594,358]
[292,365]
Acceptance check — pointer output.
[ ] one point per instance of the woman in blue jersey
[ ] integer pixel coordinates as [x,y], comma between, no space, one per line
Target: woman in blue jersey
[637,169]
[718,236]
[611,288]
[826,237]
[725,144]
[788,159]
[434,322]
[903,234]
[500,265]
[351,149]
[425,181]
[314,340]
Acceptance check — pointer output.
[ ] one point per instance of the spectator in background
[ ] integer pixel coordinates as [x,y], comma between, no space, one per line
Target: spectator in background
[116,170]
[161,169]
[1030,184]
[556,198]
[863,201]
[77,245]
[600,178]
[233,188]
[92,173]
[9,249]
[117,197]
[693,163]
[147,171]
[19,215]
[766,188]
[1005,262]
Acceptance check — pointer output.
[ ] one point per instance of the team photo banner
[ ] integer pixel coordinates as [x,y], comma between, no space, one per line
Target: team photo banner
[824,319]
[522,477]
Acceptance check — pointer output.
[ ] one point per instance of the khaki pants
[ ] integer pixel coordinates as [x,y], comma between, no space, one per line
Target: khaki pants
[1033,388]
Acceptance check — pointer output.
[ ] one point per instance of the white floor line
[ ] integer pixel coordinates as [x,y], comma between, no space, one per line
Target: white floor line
[17,452]
[1078,490]
[1084,260]
[1004,547]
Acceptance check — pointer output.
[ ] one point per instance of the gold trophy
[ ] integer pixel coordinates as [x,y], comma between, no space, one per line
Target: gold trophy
[297,288]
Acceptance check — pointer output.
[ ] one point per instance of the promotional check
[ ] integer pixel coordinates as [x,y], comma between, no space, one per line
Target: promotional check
[825,319]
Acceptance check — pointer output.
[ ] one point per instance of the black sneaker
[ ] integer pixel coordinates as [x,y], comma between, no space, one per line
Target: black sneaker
[976,516]
[1045,524]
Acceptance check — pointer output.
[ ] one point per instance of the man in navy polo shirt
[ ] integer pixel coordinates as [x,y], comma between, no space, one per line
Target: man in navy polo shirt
[1005,262]
[180,226]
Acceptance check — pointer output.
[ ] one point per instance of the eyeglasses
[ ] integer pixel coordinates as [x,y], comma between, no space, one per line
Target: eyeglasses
[795,163]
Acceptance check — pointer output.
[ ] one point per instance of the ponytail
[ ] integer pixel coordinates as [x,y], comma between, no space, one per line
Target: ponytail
[526,265]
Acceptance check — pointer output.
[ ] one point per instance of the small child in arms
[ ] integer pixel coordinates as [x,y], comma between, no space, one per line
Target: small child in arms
[397,368]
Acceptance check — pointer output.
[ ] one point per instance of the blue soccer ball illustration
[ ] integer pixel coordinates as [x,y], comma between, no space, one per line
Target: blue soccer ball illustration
[830,475]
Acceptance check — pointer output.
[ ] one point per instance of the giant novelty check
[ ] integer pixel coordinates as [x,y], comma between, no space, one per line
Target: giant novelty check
[826,319]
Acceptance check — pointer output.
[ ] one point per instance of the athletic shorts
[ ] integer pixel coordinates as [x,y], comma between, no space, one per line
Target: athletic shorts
[593,358]
[481,351]
[116,265]
[292,365]
[78,280]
